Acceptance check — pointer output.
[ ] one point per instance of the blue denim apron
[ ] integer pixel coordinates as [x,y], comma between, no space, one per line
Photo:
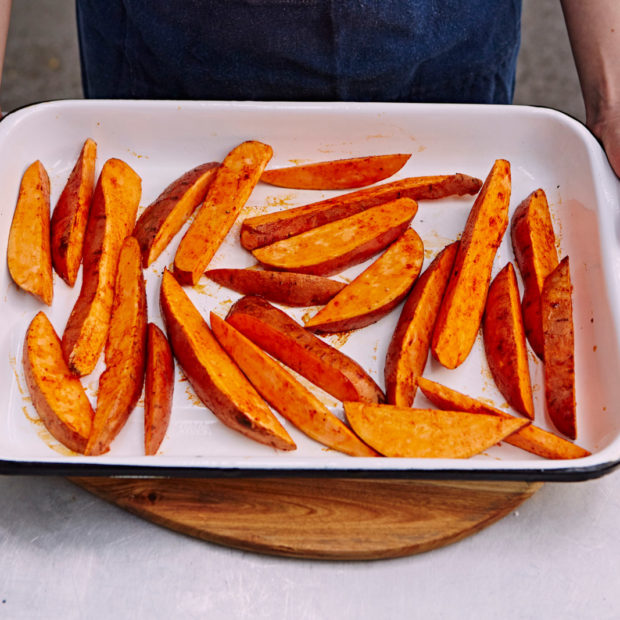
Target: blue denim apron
[305,50]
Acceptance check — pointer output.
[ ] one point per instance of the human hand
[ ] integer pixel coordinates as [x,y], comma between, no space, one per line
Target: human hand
[607,130]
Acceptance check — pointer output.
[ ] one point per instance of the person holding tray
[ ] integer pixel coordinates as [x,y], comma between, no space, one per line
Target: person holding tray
[454,51]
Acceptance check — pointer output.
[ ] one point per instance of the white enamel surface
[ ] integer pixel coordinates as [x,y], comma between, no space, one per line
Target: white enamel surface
[161,140]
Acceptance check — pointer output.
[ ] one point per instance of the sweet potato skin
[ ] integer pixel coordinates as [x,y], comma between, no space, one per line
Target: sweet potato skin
[504,342]
[57,394]
[329,249]
[120,384]
[112,217]
[264,230]
[337,174]
[230,189]
[408,349]
[165,216]
[216,379]
[531,438]
[533,243]
[463,304]
[376,291]
[28,252]
[559,349]
[158,389]
[428,433]
[285,394]
[283,338]
[70,215]
[287,288]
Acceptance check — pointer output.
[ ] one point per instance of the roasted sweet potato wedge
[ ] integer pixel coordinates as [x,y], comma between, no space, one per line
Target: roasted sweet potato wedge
[234,181]
[287,288]
[333,247]
[283,338]
[158,388]
[428,433]
[165,216]
[337,174]
[376,291]
[530,438]
[57,394]
[504,342]
[112,218]
[408,350]
[216,379]
[28,253]
[71,215]
[266,229]
[120,384]
[462,307]
[533,242]
[559,348]
[285,394]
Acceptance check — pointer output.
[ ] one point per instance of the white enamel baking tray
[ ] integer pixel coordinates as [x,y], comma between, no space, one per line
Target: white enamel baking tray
[161,140]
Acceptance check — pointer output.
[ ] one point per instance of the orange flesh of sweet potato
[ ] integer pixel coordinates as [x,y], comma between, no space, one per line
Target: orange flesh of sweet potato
[533,242]
[428,433]
[280,336]
[158,388]
[462,307]
[376,291]
[120,384]
[71,215]
[28,253]
[112,217]
[216,379]
[408,350]
[530,438]
[57,394]
[337,174]
[290,289]
[266,229]
[559,349]
[333,247]
[285,394]
[504,342]
[234,181]
[165,216]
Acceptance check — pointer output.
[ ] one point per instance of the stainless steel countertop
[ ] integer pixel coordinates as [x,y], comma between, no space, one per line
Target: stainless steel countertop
[67,554]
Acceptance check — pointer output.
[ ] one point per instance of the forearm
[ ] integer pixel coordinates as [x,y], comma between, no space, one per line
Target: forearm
[594,32]
[5,16]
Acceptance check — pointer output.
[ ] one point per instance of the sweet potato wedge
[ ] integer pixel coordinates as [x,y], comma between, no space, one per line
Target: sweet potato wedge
[216,379]
[333,247]
[337,174]
[120,384]
[70,215]
[376,291]
[504,342]
[559,348]
[283,338]
[28,253]
[158,388]
[460,313]
[57,394]
[531,438]
[165,216]
[112,217]
[281,287]
[266,229]
[285,394]
[408,350]
[533,243]
[428,433]
[234,181]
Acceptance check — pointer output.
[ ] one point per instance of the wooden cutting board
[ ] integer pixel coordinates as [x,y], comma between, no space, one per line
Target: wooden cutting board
[319,518]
